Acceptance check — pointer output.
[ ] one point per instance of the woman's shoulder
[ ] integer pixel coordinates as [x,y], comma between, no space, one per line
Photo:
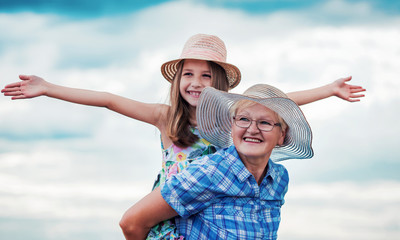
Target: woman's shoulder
[213,160]
[277,169]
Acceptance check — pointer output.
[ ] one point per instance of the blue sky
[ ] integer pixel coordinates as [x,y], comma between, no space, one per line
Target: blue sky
[69,170]
[91,8]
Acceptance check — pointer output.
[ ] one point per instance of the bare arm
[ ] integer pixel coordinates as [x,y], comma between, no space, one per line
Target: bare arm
[141,217]
[338,88]
[33,86]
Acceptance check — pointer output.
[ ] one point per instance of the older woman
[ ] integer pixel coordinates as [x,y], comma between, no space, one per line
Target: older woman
[237,192]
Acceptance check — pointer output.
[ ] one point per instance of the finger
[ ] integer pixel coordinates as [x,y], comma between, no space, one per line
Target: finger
[357,90]
[357,95]
[13,93]
[11,85]
[346,79]
[18,97]
[354,86]
[25,77]
[10,89]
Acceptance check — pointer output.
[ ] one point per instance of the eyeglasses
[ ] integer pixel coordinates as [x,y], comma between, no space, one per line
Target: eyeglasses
[262,124]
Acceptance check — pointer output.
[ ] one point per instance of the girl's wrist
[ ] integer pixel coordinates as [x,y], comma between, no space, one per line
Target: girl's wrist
[333,89]
[46,88]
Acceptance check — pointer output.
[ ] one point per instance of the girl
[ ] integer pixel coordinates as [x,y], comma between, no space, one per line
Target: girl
[202,64]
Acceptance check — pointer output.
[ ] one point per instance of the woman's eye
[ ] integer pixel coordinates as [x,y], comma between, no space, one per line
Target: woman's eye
[244,119]
[264,122]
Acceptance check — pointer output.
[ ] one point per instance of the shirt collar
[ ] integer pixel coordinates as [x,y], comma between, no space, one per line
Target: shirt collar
[272,170]
[241,171]
[237,165]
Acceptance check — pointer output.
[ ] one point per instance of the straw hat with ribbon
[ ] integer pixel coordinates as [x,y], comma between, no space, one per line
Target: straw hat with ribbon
[204,47]
[214,119]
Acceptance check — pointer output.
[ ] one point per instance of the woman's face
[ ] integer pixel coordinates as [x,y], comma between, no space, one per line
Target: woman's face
[251,142]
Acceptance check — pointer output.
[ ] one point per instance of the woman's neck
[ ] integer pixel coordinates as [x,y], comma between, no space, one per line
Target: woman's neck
[257,166]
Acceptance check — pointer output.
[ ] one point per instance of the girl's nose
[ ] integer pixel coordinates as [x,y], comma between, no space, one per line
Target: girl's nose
[196,82]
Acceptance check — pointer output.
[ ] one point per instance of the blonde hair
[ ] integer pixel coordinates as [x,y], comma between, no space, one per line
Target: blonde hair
[245,103]
[178,116]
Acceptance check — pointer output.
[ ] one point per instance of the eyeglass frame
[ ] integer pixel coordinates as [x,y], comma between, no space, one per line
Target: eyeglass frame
[257,122]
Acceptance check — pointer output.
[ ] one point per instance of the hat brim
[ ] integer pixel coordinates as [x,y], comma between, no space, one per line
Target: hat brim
[233,74]
[215,122]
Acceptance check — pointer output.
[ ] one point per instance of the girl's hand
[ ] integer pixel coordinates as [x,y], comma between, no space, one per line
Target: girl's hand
[31,86]
[346,91]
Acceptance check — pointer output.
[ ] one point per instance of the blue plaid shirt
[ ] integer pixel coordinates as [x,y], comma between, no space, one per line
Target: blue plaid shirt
[218,198]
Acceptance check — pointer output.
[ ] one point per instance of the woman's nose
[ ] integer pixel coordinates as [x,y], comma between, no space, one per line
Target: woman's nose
[253,127]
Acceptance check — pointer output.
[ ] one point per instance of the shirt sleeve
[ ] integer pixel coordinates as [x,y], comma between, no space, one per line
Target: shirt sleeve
[192,190]
[283,184]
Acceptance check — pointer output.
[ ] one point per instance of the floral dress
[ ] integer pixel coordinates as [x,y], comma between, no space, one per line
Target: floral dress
[175,159]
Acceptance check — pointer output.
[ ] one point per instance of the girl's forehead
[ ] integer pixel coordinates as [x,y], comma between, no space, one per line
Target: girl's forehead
[195,62]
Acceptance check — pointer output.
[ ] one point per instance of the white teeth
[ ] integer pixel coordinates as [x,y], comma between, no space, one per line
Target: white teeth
[252,140]
[196,94]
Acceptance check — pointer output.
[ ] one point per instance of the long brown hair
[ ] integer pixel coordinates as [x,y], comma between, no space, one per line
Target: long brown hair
[178,116]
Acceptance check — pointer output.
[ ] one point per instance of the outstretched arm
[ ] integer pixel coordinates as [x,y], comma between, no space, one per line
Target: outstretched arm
[33,86]
[338,88]
[148,212]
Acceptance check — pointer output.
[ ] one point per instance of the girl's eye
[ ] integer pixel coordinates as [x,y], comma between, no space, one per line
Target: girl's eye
[264,122]
[187,74]
[207,75]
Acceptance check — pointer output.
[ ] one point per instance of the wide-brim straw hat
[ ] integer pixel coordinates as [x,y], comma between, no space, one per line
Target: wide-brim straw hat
[214,119]
[204,47]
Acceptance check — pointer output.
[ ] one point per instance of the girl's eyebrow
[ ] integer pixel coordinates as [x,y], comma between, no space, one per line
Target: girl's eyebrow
[189,69]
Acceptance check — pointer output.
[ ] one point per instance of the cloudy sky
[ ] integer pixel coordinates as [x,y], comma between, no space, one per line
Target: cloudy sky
[69,171]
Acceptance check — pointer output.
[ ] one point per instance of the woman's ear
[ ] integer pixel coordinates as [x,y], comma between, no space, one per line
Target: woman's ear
[232,126]
[282,138]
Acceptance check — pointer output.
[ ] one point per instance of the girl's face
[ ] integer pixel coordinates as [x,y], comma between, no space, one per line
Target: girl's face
[251,142]
[196,75]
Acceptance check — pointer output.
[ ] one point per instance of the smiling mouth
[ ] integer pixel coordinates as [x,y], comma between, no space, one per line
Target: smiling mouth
[255,140]
[194,94]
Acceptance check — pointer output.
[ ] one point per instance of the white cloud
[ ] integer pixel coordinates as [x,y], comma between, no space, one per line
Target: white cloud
[341,210]
[67,200]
